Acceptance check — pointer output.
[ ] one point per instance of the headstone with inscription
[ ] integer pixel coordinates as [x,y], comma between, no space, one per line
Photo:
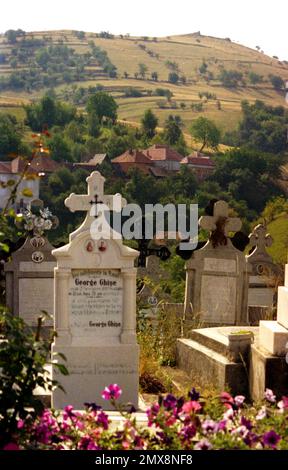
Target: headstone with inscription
[217,274]
[95,305]
[29,275]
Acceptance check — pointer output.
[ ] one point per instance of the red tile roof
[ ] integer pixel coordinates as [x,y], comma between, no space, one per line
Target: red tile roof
[198,159]
[39,164]
[5,167]
[163,152]
[132,156]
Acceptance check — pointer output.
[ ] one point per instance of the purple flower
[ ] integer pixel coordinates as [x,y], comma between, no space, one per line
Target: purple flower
[68,412]
[193,395]
[152,413]
[169,401]
[112,392]
[209,426]
[246,422]
[103,420]
[188,432]
[271,439]
[204,444]
[269,395]
[86,443]
[221,426]
[92,406]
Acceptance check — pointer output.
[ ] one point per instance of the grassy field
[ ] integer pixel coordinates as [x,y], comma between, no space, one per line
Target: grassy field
[188,52]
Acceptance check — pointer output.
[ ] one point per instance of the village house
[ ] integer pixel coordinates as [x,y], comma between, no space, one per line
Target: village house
[161,160]
[39,167]
[202,165]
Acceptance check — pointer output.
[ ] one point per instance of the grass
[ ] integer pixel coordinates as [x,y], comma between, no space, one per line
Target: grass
[278,229]
[188,51]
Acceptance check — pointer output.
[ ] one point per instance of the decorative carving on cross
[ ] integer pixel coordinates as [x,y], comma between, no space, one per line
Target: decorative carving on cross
[260,239]
[220,224]
[95,203]
[90,202]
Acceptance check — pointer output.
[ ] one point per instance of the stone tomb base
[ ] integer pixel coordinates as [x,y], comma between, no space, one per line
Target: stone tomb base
[217,357]
[228,358]
[267,371]
[91,369]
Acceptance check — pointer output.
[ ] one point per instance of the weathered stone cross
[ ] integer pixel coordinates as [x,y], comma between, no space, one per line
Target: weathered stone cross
[220,213]
[90,202]
[260,239]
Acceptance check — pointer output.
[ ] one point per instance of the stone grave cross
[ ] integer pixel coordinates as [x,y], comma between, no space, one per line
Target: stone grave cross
[92,202]
[220,224]
[260,239]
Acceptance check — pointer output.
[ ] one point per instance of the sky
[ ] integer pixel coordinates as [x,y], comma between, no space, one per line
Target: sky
[251,22]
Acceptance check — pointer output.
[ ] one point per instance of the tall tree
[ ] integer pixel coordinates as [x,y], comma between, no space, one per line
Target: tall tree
[102,105]
[172,129]
[149,123]
[205,131]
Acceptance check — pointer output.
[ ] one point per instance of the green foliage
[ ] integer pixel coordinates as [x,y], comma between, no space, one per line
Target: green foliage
[59,148]
[143,69]
[149,123]
[133,92]
[205,131]
[23,357]
[173,77]
[102,105]
[10,137]
[264,127]
[277,82]
[255,78]
[230,78]
[48,112]
[172,130]
[246,174]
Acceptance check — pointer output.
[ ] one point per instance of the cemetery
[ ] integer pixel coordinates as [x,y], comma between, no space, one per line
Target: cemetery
[143,238]
[89,288]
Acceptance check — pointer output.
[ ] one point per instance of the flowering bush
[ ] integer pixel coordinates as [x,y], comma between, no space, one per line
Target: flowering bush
[173,423]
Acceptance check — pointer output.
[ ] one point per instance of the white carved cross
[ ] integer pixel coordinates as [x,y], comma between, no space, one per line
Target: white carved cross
[91,202]
[221,210]
[260,238]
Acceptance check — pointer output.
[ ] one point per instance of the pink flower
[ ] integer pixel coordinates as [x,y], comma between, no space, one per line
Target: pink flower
[261,413]
[239,400]
[283,404]
[229,414]
[204,444]
[112,392]
[227,399]
[191,407]
[269,395]
[11,446]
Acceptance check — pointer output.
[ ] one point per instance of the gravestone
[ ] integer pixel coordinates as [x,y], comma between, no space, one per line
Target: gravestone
[273,335]
[29,275]
[217,274]
[265,273]
[95,305]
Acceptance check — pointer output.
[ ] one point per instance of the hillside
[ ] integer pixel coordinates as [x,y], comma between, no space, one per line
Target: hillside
[70,62]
